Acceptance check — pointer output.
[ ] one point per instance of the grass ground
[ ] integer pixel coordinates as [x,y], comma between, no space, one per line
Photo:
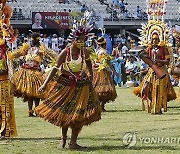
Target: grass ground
[35,136]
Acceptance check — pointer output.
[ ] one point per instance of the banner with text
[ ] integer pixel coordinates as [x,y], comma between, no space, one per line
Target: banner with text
[61,20]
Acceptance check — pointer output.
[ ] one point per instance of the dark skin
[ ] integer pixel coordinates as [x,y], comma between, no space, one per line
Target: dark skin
[61,59]
[158,56]
[158,61]
[30,100]
[74,51]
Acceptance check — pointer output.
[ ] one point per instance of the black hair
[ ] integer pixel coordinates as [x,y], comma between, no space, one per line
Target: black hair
[35,39]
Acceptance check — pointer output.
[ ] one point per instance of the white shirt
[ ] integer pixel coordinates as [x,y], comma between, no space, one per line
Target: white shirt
[124,49]
[55,44]
[130,66]
[46,41]
[61,40]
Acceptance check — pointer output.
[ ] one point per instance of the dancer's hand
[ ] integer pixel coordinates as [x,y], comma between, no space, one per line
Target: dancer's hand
[42,88]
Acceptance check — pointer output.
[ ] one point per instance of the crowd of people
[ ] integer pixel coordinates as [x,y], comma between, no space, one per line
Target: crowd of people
[80,74]
[131,68]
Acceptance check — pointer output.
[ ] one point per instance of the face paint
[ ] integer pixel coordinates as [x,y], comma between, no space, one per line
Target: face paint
[79,44]
[155,39]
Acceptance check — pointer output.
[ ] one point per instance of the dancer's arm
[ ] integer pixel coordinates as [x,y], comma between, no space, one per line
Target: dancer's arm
[167,59]
[22,51]
[112,68]
[60,60]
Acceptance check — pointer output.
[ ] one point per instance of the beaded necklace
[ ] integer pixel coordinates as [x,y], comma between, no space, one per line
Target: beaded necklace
[76,76]
[154,52]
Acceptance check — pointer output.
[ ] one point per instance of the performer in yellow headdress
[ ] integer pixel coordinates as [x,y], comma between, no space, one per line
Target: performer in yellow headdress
[29,77]
[72,102]
[102,80]
[7,34]
[156,88]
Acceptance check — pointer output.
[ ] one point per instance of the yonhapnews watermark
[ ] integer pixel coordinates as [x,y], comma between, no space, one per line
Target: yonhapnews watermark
[130,139]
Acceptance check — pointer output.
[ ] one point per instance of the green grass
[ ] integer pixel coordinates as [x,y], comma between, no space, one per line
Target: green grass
[35,136]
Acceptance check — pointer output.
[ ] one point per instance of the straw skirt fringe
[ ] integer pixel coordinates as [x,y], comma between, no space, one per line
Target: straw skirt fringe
[104,86]
[159,91]
[69,105]
[27,82]
[7,115]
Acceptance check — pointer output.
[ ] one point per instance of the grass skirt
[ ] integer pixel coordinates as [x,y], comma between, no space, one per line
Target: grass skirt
[104,86]
[158,91]
[27,82]
[7,116]
[70,104]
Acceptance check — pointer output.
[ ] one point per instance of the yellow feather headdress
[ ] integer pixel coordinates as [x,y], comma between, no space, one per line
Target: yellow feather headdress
[6,30]
[156,13]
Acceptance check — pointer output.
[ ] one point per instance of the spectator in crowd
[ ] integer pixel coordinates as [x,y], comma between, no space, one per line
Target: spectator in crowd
[83,8]
[55,43]
[143,69]
[20,15]
[117,63]
[131,68]
[122,6]
[145,15]
[115,40]
[60,42]
[123,39]
[109,8]
[114,14]
[126,14]
[41,38]
[138,12]
[103,2]
[116,4]
[124,49]
[46,40]
[118,39]
[15,13]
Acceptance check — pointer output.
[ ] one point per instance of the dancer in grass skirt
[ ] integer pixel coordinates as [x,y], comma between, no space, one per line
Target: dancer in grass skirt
[7,114]
[72,102]
[102,81]
[29,78]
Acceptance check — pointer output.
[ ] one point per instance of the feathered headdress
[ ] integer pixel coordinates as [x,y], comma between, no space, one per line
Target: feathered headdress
[7,34]
[101,39]
[84,26]
[156,13]
[6,29]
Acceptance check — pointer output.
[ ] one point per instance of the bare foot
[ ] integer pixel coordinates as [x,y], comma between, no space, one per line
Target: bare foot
[63,143]
[31,115]
[76,146]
